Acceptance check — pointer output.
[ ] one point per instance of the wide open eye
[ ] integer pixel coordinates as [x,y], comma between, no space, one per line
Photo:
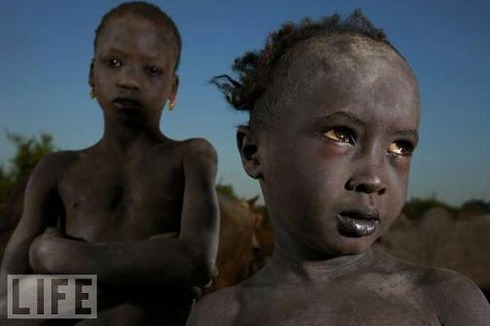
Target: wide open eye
[401,148]
[341,135]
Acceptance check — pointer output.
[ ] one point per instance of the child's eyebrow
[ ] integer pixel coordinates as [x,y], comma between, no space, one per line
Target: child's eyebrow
[114,50]
[340,115]
[408,133]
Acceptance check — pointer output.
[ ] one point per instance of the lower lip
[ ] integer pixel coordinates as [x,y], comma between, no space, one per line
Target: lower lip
[356,227]
[125,106]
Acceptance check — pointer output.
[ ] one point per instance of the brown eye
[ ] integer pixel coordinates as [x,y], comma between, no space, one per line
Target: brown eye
[154,71]
[341,135]
[400,148]
[113,63]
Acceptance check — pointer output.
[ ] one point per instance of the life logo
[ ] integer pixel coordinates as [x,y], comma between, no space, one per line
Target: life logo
[38,296]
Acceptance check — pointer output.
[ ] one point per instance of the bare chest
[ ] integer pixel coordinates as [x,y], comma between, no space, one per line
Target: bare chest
[350,306]
[106,199]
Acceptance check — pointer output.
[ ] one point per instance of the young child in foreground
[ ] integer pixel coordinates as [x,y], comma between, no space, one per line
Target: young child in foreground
[334,117]
[138,208]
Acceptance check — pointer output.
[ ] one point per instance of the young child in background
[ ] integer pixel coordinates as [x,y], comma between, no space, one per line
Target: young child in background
[138,208]
[334,118]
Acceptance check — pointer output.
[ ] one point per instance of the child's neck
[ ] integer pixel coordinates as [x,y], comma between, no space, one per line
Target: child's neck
[295,265]
[121,136]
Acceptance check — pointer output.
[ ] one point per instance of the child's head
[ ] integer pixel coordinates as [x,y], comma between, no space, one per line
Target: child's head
[150,12]
[334,117]
[133,73]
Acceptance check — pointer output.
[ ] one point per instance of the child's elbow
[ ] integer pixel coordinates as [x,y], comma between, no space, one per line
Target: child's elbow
[203,270]
[40,257]
[200,261]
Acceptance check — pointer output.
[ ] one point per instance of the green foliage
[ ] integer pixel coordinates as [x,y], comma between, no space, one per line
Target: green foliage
[226,189]
[5,185]
[29,151]
[415,208]
[475,207]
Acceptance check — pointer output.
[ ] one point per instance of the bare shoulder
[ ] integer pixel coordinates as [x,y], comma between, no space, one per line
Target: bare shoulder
[217,309]
[458,299]
[199,158]
[61,159]
[51,168]
[455,298]
[198,148]
[40,209]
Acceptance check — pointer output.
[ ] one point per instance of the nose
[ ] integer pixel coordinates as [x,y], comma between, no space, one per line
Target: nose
[129,78]
[368,176]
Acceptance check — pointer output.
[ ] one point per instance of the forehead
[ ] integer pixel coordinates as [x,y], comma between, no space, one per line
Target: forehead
[128,27]
[344,50]
[337,55]
[350,73]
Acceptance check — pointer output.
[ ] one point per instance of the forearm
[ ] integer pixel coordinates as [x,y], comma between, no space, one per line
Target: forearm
[15,261]
[154,262]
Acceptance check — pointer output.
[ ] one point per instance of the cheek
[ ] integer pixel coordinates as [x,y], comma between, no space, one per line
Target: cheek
[308,173]
[399,175]
[162,90]
[401,171]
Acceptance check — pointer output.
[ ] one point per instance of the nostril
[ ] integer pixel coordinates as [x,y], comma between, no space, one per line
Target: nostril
[349,185]
[366,185]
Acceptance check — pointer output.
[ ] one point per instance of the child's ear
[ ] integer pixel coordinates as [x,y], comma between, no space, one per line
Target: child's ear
[175,87]
[91,74]
[249,151]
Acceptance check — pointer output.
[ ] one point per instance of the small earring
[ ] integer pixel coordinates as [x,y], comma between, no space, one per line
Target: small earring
[92,93]
[171,104]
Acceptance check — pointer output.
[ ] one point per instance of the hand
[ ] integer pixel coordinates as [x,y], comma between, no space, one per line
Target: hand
[43,249]
[49,233]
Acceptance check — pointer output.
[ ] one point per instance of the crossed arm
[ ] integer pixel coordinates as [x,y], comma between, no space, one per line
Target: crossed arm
[184,260]
[41,205]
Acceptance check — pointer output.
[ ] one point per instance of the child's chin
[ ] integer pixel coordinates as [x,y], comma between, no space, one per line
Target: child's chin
[354,245]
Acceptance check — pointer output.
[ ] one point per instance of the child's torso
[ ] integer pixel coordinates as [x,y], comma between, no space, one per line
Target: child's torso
[122,197]
[368,295]
[351,307]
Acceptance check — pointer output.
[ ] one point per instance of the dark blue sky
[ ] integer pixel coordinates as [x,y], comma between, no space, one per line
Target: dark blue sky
[46,47]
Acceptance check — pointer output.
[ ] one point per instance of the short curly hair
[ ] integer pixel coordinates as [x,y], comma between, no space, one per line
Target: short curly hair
[149,11]
[257,70]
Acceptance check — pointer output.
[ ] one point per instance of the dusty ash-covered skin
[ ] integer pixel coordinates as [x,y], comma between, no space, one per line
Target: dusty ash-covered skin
[138,209]
[333,168]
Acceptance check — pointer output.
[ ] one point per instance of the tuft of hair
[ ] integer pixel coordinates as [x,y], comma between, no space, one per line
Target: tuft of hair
[255,69]
[146,10]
